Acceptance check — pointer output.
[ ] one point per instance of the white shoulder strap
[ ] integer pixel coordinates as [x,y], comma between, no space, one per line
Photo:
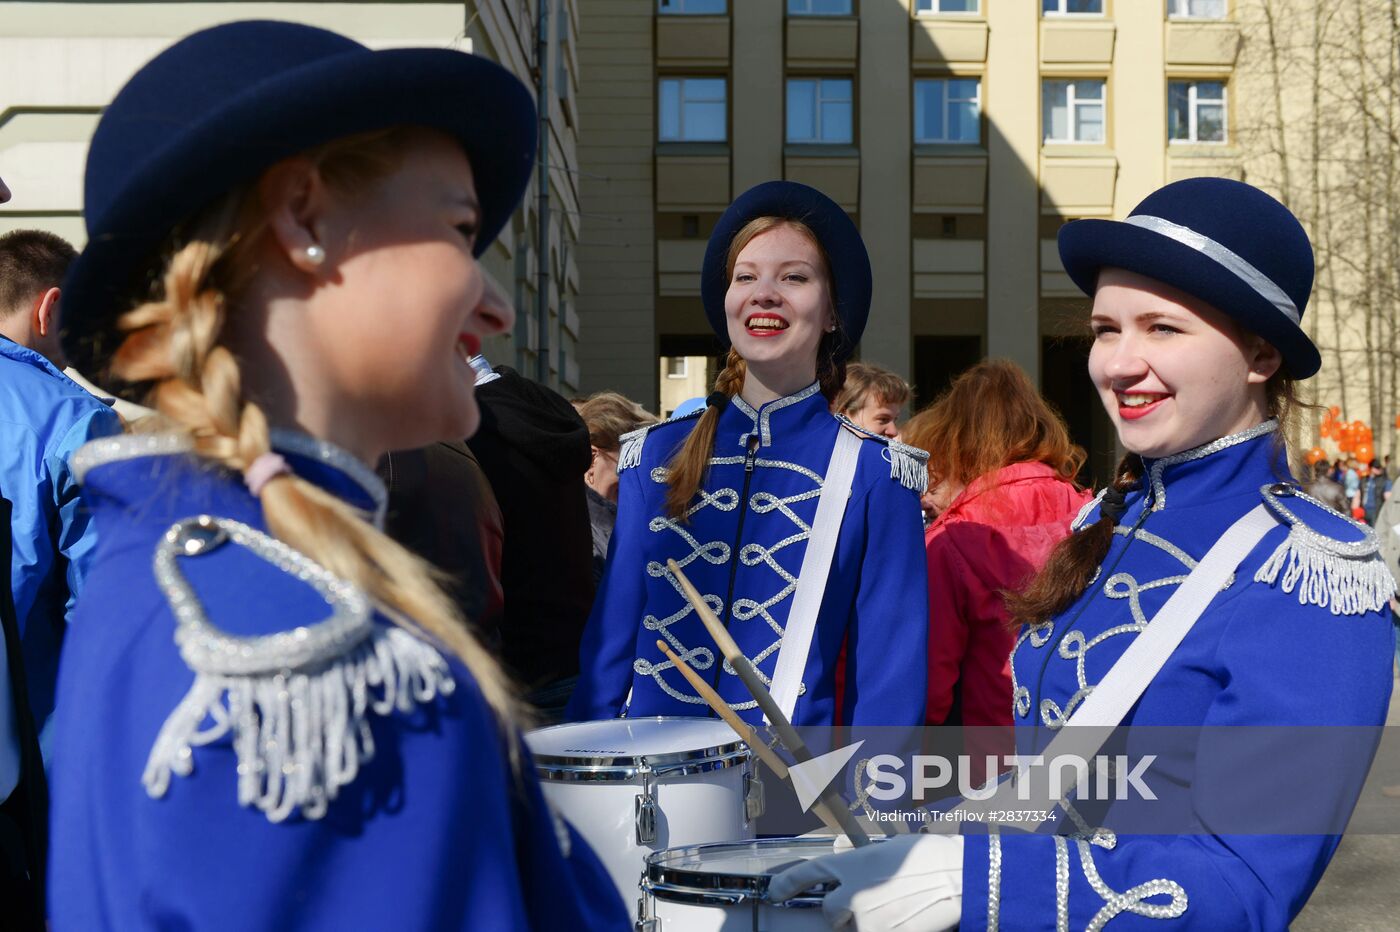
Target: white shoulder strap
[816,565]
[1111,700]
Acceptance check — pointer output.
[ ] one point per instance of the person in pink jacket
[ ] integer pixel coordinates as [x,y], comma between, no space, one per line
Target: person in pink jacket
[1001,486]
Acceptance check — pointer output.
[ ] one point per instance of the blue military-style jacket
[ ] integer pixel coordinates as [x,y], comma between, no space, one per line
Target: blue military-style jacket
[1301,636]
[742,543]
[44,417]
[244,743]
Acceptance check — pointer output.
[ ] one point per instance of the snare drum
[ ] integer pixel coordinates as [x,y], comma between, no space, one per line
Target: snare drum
[638,785]
[724,888]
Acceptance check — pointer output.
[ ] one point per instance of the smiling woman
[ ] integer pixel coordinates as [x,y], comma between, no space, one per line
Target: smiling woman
[282,260]
[1198,301]
[736,496]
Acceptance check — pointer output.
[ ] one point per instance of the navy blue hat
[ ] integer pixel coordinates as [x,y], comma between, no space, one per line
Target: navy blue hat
[1222,241]
[839,238]
[218,107]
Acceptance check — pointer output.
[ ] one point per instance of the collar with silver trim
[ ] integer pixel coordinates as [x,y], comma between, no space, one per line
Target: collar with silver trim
[765,411]
[134,446]
[1158,490]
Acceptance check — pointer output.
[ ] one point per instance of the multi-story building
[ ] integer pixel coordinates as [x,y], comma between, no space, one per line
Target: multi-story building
[960,134]
[60,63]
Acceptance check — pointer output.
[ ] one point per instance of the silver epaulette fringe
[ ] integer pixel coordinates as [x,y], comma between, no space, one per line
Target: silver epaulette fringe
[296,703]
[631,452]
[908,466]
[1347,577]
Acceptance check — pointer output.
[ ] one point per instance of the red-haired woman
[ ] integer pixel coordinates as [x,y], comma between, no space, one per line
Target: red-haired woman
[1001,478]
[801,533]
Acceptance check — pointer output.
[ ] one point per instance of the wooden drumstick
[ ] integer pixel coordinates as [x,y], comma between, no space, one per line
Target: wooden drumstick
[746,732]
[779,722]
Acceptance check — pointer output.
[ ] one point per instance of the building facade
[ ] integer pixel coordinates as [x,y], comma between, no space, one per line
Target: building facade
[60,63]
[959,134]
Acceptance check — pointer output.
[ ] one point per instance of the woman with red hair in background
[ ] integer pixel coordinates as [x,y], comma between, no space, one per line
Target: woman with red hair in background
[1002,492]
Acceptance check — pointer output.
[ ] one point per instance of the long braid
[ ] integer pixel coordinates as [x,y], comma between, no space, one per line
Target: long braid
[686,472]
[172,343]
[1072,563]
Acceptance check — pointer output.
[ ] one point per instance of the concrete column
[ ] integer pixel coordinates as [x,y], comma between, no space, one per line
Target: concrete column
[617,256]
[1138,103]
[886,140]
[1011,101]
[757,92]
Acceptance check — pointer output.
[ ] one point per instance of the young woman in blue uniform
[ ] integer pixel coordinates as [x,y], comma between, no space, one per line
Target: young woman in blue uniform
[1198,300]
[731,495]
[270,716]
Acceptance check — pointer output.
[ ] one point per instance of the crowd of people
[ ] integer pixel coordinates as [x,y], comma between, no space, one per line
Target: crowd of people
[308,599]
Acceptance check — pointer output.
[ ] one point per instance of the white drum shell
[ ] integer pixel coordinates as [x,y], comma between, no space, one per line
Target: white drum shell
[690,808]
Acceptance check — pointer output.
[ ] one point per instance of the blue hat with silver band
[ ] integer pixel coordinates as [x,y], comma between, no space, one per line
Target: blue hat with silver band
[217,108]
[850,263]
[1222,241]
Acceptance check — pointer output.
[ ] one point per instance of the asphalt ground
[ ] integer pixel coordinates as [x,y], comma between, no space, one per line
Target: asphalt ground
[1361,890]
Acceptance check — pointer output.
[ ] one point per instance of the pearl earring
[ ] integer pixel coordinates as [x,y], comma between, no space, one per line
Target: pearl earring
[315,254]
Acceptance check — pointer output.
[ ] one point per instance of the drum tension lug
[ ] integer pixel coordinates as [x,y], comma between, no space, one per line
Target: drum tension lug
[754,800]
[645,922]
[644,809]
[646,819]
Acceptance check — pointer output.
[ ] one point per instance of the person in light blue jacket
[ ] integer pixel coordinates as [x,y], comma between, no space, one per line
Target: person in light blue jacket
[731,494]
[44,417]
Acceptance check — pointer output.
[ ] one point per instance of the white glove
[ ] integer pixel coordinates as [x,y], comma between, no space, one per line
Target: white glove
[912,883]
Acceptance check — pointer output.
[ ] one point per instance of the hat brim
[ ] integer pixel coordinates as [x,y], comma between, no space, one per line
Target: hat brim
[834,229]
[473,100]
[1088,246]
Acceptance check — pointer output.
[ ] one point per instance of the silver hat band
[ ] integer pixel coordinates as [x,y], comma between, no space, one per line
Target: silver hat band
[1233,263]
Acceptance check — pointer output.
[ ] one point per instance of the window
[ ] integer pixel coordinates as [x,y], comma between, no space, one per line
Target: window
[1196,111]
[819,110]
[946,6]
[947,110]
[819,7]
[693,110]
[1072,7]
[1072,111]
[1196,9]
[677,367]
[692,7]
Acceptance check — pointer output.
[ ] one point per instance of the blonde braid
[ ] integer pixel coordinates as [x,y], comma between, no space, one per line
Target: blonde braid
[173,342]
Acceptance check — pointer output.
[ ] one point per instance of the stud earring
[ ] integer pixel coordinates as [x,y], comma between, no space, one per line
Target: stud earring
[315,254]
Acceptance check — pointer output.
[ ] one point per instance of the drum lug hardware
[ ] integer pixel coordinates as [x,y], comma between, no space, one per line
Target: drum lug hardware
[754,800]
[645,922]
[646,819]
[644,809]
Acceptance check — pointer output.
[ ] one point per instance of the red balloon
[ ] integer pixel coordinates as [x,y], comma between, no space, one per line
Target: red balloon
[1365,453]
